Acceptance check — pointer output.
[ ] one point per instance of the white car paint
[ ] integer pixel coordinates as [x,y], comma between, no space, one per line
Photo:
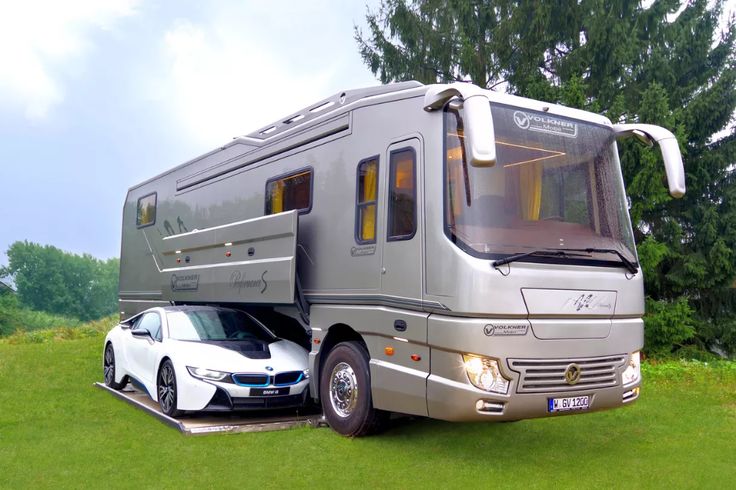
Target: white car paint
[140,358]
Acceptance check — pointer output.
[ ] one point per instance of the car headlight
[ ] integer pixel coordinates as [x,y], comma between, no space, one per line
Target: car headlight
[484,373]
[306,374]
[203,373]
[632,373]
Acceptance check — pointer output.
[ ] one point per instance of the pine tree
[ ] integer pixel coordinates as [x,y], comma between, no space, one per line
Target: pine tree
[668,63]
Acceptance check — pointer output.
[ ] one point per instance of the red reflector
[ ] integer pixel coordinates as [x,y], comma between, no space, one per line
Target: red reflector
[228,253]
[317,341]
[415,357]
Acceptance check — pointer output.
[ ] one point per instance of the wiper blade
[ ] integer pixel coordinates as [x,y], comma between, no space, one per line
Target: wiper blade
[631,266]
[540,253]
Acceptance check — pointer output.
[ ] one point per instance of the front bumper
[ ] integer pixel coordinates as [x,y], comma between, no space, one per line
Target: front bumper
[457,401]
[197,395]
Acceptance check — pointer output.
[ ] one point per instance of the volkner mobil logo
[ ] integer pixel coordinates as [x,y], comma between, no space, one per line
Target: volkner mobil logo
[188,282]
[521,120]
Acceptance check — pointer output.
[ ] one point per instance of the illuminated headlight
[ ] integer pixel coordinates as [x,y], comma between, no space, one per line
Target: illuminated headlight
[203,373]
[306,374]
[632,373]
[483,373]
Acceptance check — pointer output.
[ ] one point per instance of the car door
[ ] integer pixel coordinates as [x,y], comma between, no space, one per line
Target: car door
[142,351]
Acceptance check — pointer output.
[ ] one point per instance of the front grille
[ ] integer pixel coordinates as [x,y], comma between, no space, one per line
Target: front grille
[251,379]
[548,375]
[288,378]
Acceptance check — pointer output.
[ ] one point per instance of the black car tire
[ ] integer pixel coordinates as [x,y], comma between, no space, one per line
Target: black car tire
[108,369]
[167,390]
[345,392]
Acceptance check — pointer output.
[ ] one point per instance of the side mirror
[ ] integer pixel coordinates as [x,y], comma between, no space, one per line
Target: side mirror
[141,333]
[480,145]
[650,134]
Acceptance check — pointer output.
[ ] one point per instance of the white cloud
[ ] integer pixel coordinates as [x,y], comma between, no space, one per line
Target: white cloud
[248,64]
[39,37]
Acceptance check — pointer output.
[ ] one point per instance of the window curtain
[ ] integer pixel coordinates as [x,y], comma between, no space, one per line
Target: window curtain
[530,181]
[369,195]
[277,197]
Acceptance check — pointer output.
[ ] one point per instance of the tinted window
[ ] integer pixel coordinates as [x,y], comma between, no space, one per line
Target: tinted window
[365,218]
[402,195]
[152,323]
[292,191]
[215,325]
[146,210]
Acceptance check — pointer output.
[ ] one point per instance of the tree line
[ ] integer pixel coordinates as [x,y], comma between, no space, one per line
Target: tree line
[50,280]
[666,62]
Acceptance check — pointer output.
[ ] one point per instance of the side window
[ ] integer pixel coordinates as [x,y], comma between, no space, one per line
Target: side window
[293,191]
[402,209]
[152,323]
[367,195]
[146,211]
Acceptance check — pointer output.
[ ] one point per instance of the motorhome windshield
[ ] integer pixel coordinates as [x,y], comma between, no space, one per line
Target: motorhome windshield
[556,185]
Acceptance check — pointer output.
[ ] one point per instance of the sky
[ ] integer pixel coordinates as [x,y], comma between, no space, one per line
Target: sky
[97,96]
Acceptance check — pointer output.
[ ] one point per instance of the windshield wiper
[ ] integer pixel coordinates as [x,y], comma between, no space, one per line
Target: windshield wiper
[631,266]
[540,253]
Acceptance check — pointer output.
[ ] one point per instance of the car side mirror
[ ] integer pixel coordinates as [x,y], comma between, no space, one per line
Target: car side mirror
[141,333]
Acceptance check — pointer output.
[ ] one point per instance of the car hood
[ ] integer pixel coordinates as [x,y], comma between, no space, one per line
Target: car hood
[284,356]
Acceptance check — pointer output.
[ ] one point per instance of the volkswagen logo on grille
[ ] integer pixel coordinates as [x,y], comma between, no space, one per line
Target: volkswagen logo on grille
[572,374]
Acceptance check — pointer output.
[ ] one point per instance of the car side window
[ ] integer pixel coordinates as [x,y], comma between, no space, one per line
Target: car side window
[152,323]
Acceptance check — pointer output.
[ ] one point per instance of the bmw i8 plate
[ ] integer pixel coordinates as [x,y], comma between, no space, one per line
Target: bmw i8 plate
[568,403]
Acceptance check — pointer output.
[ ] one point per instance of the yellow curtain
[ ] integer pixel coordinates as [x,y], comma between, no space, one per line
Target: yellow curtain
[277,197]
[370,188]
[530,181]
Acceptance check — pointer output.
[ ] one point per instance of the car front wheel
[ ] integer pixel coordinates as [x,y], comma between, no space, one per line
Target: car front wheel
[345,392]
[108,365]
[167,392]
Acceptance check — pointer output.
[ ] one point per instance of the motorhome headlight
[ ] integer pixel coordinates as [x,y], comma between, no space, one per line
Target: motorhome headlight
[632,373]
[203,373]
[484,373]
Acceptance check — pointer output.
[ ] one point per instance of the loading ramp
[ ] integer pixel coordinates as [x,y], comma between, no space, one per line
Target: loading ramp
[222,422]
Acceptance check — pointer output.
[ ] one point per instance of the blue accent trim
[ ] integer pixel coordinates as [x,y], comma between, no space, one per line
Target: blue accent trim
[301,376]
[250,385]
[139,385]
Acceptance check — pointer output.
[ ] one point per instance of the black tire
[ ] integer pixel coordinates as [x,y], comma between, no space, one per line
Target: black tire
[345,392]
[108,369]
[167,391]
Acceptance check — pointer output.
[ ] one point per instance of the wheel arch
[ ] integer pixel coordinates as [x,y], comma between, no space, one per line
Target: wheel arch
[337,333]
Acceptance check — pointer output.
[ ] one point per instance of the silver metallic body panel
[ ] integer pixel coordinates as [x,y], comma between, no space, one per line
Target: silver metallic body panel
[445,298]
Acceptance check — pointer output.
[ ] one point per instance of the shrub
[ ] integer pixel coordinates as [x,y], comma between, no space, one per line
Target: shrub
[667,324]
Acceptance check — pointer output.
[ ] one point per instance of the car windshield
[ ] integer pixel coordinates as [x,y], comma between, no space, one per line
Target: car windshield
[556,185]
[215,324]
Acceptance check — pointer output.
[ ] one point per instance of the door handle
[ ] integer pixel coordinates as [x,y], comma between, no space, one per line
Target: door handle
[400,325]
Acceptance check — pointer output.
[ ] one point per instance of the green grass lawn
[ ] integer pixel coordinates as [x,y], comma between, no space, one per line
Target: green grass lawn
[56,430]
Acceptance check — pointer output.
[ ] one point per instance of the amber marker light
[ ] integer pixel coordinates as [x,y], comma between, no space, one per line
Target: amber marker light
[389,351]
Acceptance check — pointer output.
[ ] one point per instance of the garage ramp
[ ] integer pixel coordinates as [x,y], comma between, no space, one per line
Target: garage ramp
[222,422]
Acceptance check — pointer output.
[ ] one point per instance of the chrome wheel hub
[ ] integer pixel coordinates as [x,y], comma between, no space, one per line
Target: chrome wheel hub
[343,389]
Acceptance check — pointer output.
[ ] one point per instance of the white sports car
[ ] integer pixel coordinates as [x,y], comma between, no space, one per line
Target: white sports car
[191,358]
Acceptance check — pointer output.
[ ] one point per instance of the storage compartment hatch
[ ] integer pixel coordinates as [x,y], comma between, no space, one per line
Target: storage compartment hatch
[251,261]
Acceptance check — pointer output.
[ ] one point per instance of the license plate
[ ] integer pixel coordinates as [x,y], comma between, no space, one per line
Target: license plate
[568,403]
[268,391]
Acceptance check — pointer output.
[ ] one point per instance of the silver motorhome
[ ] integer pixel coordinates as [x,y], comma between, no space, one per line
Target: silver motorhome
[454,252]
